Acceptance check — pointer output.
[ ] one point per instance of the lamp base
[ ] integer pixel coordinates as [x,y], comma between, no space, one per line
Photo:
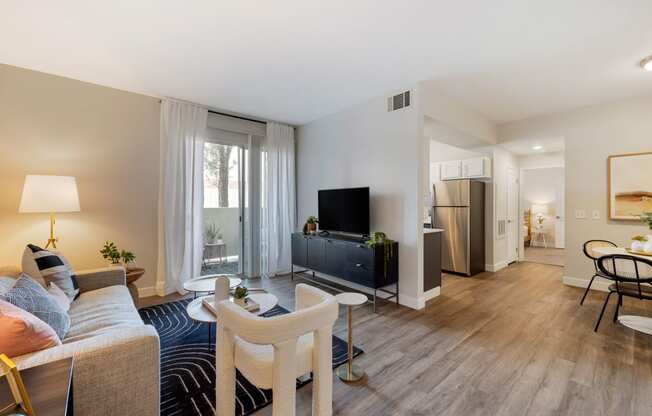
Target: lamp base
[52,241]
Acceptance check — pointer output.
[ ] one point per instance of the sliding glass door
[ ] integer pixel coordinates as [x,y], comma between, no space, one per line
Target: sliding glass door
[225,198]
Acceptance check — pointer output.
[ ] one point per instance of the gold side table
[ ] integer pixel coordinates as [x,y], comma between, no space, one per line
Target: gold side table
[350,371]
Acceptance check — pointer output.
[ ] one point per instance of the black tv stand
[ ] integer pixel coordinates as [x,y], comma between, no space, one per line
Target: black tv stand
[347,258]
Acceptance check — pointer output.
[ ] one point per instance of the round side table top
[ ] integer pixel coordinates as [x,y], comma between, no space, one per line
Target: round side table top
[207,283]
[637,323]
[351,298]
[200,313]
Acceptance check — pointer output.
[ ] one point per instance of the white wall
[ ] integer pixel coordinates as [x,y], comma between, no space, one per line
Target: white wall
[441,152]
[592,134]
[108,139]
[368,146]
[544,160]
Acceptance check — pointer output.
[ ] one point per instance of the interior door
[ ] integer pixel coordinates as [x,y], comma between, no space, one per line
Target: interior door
[512,215]
[560,211]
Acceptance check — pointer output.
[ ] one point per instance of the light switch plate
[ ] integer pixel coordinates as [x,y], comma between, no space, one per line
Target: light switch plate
[596,214]
[580,214]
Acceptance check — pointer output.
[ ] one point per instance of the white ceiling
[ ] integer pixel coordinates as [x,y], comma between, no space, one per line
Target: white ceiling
[525,147]
[296,61]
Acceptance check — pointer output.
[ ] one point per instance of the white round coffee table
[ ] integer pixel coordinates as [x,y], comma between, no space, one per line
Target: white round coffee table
[350,371]
[207,283]
[198,312]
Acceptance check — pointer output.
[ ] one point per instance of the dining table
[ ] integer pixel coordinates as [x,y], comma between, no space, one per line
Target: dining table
[641,324]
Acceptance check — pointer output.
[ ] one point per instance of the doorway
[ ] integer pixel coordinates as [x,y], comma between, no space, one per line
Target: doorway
[225,196]
[543,210]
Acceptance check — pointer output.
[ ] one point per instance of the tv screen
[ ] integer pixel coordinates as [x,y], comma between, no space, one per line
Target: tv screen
[344,210]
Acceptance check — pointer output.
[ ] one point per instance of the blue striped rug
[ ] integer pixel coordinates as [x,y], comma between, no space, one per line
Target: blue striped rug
[188,364]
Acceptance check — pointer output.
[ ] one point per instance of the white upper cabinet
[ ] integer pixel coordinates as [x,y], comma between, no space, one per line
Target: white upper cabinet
[435,172]
[474,168]
[451,170]
[478,167]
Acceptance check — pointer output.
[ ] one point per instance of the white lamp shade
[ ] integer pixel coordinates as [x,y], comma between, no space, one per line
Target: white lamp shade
[47,193]
[540,208]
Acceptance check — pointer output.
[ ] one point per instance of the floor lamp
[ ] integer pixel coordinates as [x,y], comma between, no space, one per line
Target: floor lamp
[49,194]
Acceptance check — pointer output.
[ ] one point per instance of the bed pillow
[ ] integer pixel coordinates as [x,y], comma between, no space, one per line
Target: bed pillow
[30,296]
[49,267]
[23,332]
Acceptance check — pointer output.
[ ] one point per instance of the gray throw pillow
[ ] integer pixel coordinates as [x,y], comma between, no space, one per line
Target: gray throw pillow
[30,296]
[52,267]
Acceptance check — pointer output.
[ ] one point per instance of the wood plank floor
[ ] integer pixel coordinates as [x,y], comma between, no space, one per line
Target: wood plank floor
[514,342]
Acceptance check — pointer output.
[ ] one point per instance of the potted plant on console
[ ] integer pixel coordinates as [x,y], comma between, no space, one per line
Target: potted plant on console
[311,225]
[379,238]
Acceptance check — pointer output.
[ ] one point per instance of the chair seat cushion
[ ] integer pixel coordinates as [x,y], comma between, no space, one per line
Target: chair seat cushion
[255,361]
[102,310]
[631,289]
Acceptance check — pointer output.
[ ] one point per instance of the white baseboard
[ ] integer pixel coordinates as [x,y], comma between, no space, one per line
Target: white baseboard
[144,292]
[598,284]
[432,293]
[496,267]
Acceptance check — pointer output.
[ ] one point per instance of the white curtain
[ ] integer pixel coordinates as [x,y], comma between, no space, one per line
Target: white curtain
[279,206]
[181,198]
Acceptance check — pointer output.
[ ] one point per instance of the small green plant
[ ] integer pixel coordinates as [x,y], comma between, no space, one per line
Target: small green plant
[110,252]
[240,292]
[127,257]
[212,233]
[312,220]
[379,238]
[647,218]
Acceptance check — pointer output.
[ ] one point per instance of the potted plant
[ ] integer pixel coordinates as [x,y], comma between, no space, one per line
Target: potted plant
[647,219]
[127,257]
[110,252]
[240,296]
[379,238]
[311,225]
[212,233]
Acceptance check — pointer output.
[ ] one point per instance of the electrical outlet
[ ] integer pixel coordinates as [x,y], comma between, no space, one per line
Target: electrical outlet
[580,214]
[596,214]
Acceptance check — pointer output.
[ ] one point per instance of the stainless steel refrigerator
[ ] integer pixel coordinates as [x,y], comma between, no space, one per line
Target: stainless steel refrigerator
[458,209]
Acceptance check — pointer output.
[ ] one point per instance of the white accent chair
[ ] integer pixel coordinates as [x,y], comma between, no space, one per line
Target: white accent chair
[273,352]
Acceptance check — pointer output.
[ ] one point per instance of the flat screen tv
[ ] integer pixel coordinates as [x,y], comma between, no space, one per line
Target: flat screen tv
[344,210]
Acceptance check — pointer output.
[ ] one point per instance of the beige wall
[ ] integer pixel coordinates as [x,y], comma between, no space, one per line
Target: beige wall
[592,134]
[107,139]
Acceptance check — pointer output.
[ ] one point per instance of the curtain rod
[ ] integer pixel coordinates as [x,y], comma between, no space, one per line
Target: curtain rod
[240,117]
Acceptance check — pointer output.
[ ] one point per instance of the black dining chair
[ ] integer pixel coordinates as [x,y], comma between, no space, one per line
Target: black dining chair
[632,277]
[588,248]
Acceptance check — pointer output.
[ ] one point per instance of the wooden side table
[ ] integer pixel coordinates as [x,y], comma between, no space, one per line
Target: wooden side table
[133,274]
[48,387]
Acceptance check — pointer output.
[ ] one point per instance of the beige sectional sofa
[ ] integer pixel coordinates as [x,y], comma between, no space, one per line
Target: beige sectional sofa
[116,356]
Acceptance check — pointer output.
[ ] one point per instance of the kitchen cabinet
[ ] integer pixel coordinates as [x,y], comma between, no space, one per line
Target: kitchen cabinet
[451,170]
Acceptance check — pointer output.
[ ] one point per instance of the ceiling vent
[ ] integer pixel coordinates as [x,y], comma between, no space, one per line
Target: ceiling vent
[398,101]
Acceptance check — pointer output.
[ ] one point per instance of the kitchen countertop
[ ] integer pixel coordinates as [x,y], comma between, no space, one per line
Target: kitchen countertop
[432,230]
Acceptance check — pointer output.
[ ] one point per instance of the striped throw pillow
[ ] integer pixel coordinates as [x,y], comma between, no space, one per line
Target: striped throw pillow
[49,267]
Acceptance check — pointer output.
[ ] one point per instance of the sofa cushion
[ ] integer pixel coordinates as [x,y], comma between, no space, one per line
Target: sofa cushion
[51,267]
[29,295]
[99,311]
[23,332]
